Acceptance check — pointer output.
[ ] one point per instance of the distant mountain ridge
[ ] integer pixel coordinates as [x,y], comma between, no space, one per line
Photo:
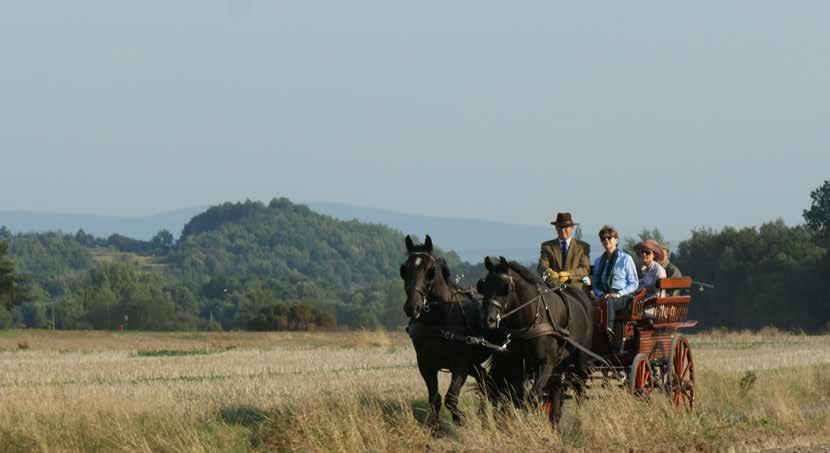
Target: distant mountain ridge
[471,239]
[143,228]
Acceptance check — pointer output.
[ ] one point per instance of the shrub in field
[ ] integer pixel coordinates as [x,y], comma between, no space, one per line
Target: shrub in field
[5,318]
[291,317]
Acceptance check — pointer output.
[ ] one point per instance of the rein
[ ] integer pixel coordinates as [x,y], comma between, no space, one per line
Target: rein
[559,331]
[447,334]
[515,310]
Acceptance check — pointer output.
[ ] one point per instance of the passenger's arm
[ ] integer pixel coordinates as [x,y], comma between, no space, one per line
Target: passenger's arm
[595,280]
[631,280]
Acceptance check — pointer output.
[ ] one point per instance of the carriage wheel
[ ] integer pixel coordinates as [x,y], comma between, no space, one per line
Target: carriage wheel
[641,377]
[553,404]
[681,374]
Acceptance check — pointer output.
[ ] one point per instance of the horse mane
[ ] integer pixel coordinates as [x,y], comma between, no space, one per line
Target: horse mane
[525,273]
[445,271]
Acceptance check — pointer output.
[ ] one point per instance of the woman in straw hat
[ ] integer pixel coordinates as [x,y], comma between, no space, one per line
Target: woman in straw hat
[651,254]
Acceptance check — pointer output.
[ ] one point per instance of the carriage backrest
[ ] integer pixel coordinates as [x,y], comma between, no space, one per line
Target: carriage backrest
[675,283]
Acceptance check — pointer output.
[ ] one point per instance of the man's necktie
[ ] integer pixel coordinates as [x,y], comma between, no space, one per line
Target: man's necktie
[564,245]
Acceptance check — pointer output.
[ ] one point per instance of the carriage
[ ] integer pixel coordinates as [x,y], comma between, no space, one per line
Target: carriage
[648,351]
[538,318]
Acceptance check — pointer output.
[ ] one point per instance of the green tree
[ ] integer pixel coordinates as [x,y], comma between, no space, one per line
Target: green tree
[767,275]
[14,288]
[162,241]
[646,234]
[5,318]
[7,277]
[818,216]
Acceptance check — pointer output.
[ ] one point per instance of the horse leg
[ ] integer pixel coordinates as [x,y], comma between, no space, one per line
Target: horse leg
[580,376]
[430,376]
[554,402]
[541,381]
[459,376]
[485,388]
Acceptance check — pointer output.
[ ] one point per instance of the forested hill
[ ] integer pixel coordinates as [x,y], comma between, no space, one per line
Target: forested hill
[246,265]
[288,243]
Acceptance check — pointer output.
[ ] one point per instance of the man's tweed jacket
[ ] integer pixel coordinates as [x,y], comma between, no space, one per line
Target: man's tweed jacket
[576,262]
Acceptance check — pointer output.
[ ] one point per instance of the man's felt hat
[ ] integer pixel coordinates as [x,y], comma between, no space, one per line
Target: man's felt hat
[563,219]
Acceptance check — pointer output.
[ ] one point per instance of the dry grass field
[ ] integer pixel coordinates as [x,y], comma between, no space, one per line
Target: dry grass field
[361,391]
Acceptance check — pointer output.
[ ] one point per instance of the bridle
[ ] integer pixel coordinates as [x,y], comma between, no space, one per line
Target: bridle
[424,293]
[511,285]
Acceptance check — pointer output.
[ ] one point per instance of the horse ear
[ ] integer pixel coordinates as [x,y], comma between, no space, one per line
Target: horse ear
[488,264]
[428,243]
[409,244]
[502,261]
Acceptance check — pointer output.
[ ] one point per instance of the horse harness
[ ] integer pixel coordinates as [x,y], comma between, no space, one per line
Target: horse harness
[549,326]
[537,329]
[465,335]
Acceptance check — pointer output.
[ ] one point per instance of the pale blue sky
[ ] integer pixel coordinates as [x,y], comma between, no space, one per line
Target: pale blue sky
[716,111]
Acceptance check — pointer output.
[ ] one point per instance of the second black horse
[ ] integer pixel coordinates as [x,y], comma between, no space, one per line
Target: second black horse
[550,327]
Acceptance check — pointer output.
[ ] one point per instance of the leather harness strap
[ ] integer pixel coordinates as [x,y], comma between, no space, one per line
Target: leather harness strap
[550,326]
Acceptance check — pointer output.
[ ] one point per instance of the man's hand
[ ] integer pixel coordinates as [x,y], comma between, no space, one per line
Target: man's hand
[564,277]
[612,296]
[550,275]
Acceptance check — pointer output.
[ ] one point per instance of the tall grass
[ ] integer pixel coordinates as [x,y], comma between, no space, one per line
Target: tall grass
[362,392]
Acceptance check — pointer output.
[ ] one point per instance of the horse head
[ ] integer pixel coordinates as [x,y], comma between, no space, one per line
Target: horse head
[425,278]
[496,287]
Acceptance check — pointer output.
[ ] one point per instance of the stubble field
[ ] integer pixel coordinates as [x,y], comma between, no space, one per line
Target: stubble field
[361,391]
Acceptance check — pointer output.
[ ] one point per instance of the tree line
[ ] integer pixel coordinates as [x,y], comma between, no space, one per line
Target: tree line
[771,275]
[281,266]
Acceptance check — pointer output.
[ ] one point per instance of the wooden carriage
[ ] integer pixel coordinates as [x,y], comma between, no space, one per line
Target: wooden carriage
[647,350]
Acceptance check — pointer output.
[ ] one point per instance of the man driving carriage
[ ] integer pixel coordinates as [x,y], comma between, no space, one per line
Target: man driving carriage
[564,259]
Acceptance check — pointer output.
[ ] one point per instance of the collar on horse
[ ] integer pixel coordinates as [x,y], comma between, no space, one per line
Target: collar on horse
[555,329]
[550,327]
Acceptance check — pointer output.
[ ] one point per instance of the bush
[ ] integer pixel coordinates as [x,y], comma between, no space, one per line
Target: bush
[279,316]
[5,319]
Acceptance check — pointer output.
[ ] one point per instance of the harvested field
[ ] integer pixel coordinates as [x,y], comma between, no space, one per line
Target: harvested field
[361,391]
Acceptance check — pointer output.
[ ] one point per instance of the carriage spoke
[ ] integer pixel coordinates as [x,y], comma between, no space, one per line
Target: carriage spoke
[686,369]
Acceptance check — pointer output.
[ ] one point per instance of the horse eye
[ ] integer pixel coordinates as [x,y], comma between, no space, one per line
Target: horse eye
[431,273]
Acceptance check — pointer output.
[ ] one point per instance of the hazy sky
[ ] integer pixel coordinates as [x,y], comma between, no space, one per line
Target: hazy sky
[675,115]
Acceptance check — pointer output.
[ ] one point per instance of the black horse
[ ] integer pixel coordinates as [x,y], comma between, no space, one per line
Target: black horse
[445,327]
[539,319]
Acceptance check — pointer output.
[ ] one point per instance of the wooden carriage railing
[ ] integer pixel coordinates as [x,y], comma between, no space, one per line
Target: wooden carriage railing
[667,311]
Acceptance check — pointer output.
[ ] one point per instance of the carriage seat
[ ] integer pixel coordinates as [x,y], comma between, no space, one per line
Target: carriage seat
[671,309]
